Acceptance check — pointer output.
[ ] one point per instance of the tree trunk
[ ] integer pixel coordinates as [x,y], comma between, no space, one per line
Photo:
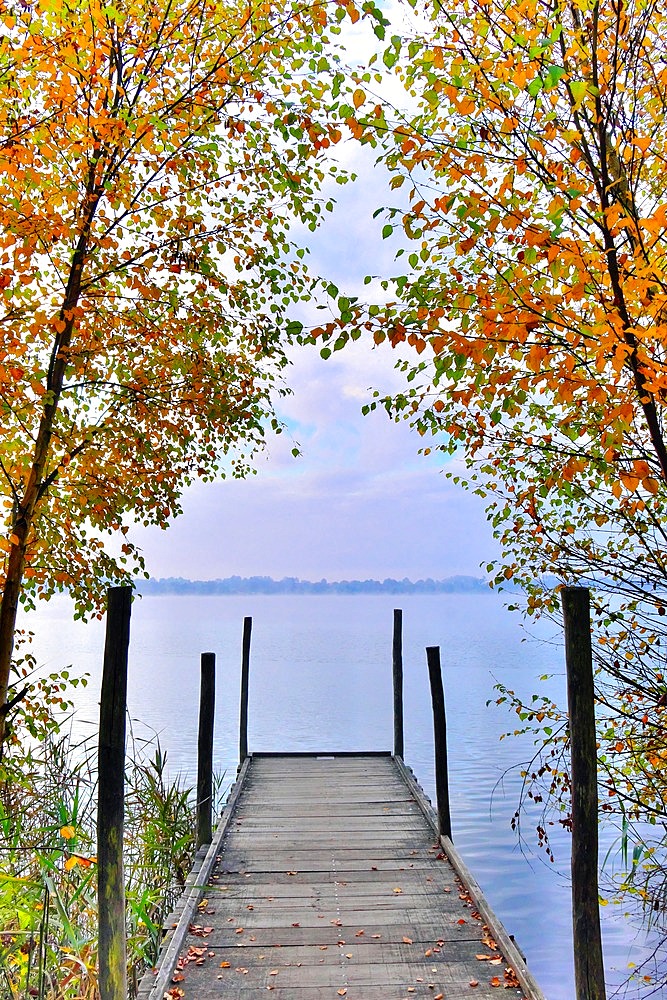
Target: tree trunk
[34,488]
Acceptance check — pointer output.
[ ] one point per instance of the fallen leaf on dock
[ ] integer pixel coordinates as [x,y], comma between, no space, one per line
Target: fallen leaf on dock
[407,940]
[225,965]
[488,940]
[342,993]
[494,981]
[474,982]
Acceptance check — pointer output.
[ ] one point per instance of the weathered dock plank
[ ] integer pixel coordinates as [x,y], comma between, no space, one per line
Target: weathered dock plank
[330,882]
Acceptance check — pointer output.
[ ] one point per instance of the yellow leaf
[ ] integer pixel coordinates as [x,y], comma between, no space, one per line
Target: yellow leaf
[67,832]
[358,98]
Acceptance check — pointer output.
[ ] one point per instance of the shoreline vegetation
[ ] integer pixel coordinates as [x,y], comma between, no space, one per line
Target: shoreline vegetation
[293,585]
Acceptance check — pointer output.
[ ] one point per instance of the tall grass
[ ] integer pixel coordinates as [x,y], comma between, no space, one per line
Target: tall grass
[48,877]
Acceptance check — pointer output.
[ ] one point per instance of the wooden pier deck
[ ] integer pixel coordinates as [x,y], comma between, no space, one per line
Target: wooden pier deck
[327,879]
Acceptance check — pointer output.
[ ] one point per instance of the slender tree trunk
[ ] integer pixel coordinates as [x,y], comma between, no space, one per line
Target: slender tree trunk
[34,488]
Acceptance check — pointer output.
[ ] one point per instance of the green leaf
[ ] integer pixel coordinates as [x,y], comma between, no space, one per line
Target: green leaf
[294,328]
[554,76]
[387,231]
[578,89]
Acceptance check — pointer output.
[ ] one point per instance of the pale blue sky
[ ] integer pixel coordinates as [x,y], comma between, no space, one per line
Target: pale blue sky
[360,502]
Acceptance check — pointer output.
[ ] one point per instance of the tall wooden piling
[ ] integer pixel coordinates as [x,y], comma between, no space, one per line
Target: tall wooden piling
[397,669]
[588,961]
[111,798]
[440,739]
[245,671]
[205,750]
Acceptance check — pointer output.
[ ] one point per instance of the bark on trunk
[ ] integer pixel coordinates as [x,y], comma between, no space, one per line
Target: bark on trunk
[35,486]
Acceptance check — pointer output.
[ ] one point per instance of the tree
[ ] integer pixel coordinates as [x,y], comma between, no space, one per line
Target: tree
[152,157]
[536,229]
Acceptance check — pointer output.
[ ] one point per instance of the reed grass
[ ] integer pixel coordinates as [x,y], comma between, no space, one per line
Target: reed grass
[48,878]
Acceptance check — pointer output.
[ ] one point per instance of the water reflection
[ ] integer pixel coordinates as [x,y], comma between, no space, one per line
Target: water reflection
[321,679]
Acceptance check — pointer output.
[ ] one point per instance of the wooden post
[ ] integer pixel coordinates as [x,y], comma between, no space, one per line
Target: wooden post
[588,962]
[111,798]
[245,669]
[440,737]
[397,662]
[205,750]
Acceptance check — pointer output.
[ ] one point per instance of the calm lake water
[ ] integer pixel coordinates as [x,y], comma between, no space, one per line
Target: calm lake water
[321,679]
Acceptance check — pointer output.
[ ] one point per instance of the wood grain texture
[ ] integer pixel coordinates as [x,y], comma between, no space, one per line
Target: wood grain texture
[330,882]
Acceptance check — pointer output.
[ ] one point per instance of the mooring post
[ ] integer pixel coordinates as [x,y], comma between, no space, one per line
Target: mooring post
[111,798]
[440,739]
[205,750]
[397,663]
[245,670]
[588,961]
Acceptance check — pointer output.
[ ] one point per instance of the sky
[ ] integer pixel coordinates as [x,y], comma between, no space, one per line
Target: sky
[360,502]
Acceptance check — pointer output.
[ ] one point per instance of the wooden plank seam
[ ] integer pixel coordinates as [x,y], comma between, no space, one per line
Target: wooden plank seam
[153,987]
[507,946]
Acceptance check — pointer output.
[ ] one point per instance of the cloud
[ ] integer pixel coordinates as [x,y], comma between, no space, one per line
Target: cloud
[359,502]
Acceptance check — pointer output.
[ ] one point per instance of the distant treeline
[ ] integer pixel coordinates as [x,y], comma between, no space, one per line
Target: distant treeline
[292,585]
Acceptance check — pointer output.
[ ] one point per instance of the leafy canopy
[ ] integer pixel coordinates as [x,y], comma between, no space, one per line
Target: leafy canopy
[529,172]
[153,156]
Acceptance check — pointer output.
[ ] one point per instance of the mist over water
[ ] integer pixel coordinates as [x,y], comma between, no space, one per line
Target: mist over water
[320,679]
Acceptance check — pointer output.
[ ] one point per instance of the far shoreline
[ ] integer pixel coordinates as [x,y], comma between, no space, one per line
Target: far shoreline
[236,586]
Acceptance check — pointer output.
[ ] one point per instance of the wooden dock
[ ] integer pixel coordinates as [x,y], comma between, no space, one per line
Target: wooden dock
[326,879]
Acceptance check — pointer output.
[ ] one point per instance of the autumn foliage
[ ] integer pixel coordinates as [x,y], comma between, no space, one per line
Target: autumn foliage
[531,203]
[152,158]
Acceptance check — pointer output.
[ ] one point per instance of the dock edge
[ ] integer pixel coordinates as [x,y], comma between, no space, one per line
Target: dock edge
[509,949]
